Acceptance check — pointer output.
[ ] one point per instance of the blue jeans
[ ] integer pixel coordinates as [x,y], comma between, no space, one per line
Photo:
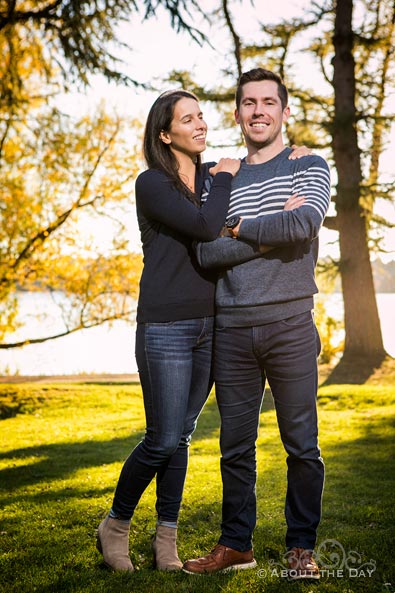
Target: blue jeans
[174,362]
[284,353]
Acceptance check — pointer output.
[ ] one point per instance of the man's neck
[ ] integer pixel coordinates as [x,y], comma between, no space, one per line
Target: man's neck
[256,155]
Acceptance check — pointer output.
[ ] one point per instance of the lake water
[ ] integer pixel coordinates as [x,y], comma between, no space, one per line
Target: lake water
[111,350]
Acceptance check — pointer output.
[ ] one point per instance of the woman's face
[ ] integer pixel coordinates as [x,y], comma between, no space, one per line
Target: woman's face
[187,133]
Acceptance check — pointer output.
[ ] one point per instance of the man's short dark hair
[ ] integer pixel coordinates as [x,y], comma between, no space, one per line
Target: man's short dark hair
[256,75]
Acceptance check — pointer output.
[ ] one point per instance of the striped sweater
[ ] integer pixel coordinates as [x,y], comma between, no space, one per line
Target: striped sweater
[255,288]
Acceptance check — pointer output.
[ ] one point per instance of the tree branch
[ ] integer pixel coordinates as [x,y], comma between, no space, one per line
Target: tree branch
[10,345]
[235,37]
[40,237]
[13,16]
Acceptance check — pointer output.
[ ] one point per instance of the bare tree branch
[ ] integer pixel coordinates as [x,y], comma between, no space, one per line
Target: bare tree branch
[235,37]
[67,332]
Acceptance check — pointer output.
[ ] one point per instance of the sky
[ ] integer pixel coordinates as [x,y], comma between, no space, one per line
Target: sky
[157,50]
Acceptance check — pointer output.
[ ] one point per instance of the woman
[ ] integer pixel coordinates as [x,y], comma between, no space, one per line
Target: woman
[179,200]
[175,318]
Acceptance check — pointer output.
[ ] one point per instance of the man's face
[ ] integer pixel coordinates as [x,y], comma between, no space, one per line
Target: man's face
[260,114]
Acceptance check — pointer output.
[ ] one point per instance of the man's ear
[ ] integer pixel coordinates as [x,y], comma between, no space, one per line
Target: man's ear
[286,114]
[164,136]
[237,118]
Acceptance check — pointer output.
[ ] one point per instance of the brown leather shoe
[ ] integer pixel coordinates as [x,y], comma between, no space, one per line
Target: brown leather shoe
[220,559]
[301,564]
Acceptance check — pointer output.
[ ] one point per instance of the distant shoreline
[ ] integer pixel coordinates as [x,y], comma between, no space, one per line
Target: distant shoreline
[96,378]
[384,374]
[83,378]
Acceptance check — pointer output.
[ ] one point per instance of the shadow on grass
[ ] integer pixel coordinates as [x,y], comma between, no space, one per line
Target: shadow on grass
[61,460]
[361,475]
[358,510]
[355,371]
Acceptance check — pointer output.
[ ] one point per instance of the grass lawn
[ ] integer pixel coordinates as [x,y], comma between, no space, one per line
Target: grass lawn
[62,447]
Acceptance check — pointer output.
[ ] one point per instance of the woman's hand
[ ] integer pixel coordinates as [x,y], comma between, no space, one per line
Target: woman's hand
[299,151]
[294,202]
[226,166]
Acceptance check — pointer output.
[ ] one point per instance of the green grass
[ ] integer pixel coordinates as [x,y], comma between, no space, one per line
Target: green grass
[62,447]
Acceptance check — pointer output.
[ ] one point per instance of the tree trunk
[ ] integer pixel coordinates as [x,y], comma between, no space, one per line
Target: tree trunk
[364,345]
[363,338]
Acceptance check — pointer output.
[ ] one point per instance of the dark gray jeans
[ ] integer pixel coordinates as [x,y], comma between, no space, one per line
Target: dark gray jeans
[284,353]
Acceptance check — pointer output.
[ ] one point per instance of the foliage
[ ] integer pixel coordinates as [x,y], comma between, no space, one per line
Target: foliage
[61,457]
[80,36]
[58,177]
[330,330]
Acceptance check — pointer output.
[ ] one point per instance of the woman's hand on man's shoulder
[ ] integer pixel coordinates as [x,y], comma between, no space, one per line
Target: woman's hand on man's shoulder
[226,165]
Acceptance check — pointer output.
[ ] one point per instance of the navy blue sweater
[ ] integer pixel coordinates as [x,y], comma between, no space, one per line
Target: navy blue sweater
[172,285]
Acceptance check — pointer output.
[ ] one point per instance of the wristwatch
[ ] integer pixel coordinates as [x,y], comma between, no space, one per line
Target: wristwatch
[232,222]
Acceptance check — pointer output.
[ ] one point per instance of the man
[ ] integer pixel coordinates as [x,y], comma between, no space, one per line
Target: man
[265,329]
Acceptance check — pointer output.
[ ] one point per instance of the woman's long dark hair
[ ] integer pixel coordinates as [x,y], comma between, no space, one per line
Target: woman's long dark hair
[157,154]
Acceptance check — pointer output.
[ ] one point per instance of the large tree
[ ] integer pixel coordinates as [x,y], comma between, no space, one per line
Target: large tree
[356,189]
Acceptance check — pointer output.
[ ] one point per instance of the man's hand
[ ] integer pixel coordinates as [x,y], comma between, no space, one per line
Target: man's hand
[294,202]
[225,232]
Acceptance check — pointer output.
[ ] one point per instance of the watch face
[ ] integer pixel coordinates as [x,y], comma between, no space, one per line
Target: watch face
[232,222]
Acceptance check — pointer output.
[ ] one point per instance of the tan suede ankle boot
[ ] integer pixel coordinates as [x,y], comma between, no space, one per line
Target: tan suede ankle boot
[113,543]
[165,548]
